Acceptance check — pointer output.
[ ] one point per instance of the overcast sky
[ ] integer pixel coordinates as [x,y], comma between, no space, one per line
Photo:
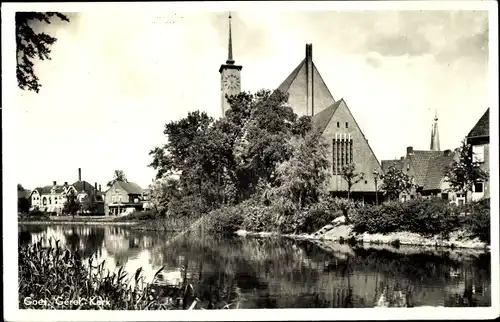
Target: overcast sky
[115,80]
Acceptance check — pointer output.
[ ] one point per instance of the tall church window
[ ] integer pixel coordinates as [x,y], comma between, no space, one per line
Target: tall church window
[342,152]
[338,124]
[346,125]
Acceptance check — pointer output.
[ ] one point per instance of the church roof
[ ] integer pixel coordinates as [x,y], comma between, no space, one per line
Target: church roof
[289,80]
[321,120]
[482,127]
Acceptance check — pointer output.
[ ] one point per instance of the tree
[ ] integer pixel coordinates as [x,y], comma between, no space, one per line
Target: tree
[223,161]
[31,44]
[23,201]
[463,173]
[89,203]
[395,182]
[300,180]
[119,175]
[72,205]
[163,191]
[349,174]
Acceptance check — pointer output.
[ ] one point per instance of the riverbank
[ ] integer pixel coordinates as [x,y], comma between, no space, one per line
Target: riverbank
[344,233]
[81,220]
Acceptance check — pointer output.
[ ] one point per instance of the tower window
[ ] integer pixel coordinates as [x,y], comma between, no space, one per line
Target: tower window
[346,125]
[338,124]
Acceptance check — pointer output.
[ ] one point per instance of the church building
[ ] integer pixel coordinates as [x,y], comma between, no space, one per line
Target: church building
[309,95]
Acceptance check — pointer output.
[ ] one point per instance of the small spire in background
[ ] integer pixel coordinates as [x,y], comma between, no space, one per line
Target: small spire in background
[435,134]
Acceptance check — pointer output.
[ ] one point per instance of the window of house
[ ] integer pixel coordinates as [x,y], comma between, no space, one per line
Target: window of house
[478,153]
[444,196]
[479,187]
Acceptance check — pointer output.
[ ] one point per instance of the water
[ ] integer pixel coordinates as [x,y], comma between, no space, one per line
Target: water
[283,273]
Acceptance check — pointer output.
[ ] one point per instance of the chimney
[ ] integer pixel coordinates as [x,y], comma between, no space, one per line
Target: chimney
[79,174]
[402,158]
[99,188]
[310,81]
[54,183]
[409,150]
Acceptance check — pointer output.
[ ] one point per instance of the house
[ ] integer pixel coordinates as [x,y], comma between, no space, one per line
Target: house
[124,197]
[51,198]
[428,170]
[479,139]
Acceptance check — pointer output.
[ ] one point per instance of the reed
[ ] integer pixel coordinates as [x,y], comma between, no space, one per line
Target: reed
[56,278]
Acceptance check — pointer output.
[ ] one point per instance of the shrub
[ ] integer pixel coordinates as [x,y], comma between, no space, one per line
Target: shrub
[258,218]
[225,220]
[188,206]
[138,216]
[423,216]
[478,221]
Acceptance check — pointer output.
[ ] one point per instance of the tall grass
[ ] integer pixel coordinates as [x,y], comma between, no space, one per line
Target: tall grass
[54,275]
[61,279]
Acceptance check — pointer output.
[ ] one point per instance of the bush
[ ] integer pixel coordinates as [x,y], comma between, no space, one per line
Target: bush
[187,206]
[423,216]
[138,216]
[478,221]
[225,220]
[258,218]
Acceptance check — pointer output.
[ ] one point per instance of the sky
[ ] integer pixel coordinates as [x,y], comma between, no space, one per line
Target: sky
[115,80]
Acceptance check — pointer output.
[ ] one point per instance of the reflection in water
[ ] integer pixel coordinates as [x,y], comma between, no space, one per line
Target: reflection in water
[282,273]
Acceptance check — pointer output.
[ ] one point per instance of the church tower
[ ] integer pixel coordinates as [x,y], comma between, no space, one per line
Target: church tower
[435,135]
[230,76]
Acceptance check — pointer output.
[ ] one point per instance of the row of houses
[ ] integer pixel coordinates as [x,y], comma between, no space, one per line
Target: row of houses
[121,197]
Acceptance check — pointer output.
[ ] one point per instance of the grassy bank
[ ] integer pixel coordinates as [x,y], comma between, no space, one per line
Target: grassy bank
[415,222]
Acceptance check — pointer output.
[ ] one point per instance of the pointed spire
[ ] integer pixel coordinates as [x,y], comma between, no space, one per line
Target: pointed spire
[230,60]
[435,134]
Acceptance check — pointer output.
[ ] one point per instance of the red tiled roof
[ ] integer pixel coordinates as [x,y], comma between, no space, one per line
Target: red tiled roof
[82,186]
[48,189]
[482,127]
[130,187]
[429,167]
[436,170]
[386,164]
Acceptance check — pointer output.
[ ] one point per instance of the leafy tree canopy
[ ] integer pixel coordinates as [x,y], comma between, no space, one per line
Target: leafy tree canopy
[32,45]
